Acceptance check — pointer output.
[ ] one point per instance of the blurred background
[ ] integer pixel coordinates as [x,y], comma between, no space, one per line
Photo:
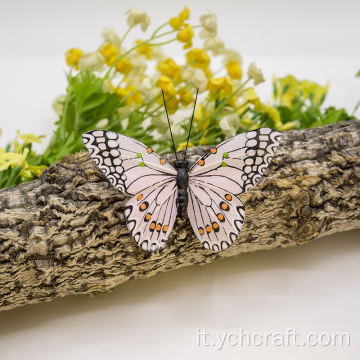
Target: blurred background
[311,289]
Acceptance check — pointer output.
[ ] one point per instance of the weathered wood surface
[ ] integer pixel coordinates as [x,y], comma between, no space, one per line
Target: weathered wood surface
[65,233]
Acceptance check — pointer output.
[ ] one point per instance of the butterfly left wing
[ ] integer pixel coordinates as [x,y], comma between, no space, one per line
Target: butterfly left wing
[136,169]
[129,165]
[227,170]
[150,215]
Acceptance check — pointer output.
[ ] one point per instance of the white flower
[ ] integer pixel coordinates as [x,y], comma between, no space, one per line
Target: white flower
[229,125]
[177,130]
[209,24]
[137,16]
[145,88]
[215,44]
[58,105]
[231,55]
[94,61]
[255,73]
[102,123]
[138,63]
[110,36]
[158,54]
[194,77]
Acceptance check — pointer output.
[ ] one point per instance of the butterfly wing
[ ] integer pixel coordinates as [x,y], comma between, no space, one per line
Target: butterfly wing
[150,215]
[129,165]
[135,169]
[229,169]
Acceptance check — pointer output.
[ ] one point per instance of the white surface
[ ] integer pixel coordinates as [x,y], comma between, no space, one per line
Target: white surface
[314,288]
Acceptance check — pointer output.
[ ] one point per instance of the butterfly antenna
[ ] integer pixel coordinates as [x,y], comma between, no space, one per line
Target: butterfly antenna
[192,119]
[169,123]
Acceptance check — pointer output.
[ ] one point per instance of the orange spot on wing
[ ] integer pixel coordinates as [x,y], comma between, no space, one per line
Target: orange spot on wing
[220,217]
[165,228]
[143,206]
[162,162]
[201,231]
[201,162]
[208,228]
[149,150]
[215,225]
[158,227]
[139,197]
[213,151]
[152,226]
[148,217]
[228,197]
[224,206]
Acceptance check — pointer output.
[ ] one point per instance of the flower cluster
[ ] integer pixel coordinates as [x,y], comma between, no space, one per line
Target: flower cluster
[226,95]
[18,163]
[118,87]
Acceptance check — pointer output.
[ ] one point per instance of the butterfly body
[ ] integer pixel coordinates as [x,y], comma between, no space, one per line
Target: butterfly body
[182,183]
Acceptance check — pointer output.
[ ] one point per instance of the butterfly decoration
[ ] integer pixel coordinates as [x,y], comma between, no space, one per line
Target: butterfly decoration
[207,191]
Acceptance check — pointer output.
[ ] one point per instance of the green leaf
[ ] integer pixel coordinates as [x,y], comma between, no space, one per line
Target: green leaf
[91,102]
[335,116]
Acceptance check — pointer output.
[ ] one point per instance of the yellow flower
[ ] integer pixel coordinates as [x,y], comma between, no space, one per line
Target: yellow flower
[289,125]
[30,138]
[137,16]
[123,66]
[222,85]
[274,115]
[198,58]
[234,70]
[182,145]
[29,171]
[8,159]
[132,94]
[172,104]
[109,52]
[185,35]
[289,88]
[22,158]
[17,147]
[246,122]
[166,84]
[199,115]
[170,69]
[177,22]
[144,49]
[73,56]
[256,74]
[209,24]
[249,95]
[186,97]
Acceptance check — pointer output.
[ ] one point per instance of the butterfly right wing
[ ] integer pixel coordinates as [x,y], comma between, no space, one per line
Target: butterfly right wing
[150,215]
[216,215]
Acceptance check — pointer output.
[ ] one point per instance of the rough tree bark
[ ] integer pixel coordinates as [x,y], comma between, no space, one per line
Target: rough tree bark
[65,233]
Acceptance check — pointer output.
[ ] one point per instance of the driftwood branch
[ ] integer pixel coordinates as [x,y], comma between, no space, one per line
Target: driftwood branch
[65,233]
